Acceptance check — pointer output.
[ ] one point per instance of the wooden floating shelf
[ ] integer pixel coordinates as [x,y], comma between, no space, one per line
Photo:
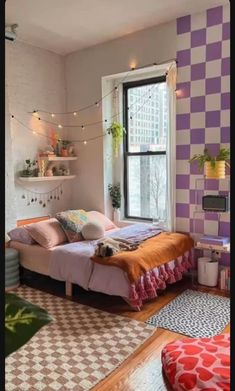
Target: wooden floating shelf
[58,158]
[47,178]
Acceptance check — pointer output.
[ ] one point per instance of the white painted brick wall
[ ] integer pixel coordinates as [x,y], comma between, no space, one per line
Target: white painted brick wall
[35,79]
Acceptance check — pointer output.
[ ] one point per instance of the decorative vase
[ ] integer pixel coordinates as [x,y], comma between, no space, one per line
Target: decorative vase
[116,215]
[217,172]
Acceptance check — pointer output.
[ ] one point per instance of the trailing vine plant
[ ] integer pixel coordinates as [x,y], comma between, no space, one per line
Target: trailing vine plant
[117,131]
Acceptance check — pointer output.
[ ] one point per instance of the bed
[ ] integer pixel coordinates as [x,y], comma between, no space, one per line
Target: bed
[73,263]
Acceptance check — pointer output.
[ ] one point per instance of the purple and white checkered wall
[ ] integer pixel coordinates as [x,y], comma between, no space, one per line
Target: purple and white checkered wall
[203,110]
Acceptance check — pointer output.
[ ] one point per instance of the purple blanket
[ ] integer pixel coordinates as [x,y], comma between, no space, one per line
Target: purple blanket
[136,233]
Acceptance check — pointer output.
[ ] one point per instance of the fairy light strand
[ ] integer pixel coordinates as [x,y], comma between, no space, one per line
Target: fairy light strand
[83,126]
[85,141]
[96,103]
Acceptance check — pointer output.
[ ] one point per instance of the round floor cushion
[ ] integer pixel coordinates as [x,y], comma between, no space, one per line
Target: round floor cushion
[198,363]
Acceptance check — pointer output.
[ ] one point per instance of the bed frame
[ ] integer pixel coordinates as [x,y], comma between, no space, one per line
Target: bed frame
[68,285]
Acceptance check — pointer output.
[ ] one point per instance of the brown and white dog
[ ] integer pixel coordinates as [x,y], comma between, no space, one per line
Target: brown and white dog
[107,247]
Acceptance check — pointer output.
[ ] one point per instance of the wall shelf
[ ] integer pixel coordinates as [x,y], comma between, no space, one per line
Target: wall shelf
[46,178]
[58,158]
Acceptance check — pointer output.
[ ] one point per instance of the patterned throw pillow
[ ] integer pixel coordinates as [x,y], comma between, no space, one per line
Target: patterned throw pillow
[72,222]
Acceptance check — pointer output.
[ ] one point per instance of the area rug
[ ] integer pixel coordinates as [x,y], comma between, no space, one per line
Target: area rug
[195,314]
[76,350]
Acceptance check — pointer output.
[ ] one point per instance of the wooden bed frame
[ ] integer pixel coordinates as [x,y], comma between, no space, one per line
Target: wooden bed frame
[68,285]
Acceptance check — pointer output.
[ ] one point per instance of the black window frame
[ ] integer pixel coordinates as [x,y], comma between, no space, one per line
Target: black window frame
[126,87]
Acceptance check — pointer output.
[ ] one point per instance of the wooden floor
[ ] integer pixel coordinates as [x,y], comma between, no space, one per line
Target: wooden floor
[142,371]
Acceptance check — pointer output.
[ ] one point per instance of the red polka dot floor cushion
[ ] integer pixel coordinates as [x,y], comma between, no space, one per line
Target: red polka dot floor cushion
[198,363]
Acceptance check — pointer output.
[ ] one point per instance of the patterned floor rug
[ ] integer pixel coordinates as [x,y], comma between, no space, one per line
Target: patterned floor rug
[195,314]
[76,350]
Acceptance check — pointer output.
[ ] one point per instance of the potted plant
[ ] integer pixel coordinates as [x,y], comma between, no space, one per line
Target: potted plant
[115,194]
[117,131]
[64,148]
[214,165]
[22,321]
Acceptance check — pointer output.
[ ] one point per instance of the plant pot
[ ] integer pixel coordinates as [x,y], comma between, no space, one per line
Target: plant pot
[116,215]
[64,152]
[217,172]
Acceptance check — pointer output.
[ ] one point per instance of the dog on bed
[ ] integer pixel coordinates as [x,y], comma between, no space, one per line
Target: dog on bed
[107,247]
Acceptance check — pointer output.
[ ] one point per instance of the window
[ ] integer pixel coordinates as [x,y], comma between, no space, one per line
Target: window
[145,186]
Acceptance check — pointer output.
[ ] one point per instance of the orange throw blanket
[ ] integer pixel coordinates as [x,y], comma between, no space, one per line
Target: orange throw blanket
[151,253]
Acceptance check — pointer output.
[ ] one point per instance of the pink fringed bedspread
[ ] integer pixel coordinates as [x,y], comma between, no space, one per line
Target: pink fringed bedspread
[158,278]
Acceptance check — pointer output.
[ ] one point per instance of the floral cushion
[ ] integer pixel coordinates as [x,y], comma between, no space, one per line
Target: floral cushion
[72,222]
[198,363]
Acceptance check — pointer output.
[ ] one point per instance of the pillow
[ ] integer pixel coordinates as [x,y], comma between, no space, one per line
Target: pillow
[102,219]
[47,233]
[92,231]
[20,234]
[72,222]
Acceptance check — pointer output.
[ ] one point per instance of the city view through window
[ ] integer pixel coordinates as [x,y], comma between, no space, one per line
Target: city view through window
[147,130]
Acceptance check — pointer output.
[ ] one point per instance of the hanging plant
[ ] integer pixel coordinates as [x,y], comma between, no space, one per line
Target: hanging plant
[117,131]
[115,194]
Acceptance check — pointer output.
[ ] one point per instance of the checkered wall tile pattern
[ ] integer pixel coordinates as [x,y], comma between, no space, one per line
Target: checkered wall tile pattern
[203,110]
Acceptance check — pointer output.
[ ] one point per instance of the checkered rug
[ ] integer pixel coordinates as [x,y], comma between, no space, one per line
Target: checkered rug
[76,350]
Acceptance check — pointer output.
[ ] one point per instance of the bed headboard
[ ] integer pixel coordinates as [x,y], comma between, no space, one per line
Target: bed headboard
[33,220]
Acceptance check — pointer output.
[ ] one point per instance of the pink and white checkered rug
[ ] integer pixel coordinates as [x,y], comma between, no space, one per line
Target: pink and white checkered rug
[76,350]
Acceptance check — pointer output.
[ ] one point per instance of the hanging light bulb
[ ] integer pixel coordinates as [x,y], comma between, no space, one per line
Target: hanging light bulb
[116,88]
[74,113]
[83,127]
[60,126]
[85,142]
[34,132]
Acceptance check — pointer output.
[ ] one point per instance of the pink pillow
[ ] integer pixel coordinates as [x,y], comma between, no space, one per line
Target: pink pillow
[20,234]
[102,219]
[47,233]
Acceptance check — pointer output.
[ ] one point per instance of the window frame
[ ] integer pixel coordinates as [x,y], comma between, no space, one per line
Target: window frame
[126,153]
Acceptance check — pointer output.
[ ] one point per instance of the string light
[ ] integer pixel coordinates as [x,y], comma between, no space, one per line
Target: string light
[52,114]
[92,138]
[132,68]
[60,126]
[97,104]
[75,113]
[98,122]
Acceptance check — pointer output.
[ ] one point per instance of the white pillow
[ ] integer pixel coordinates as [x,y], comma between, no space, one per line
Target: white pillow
[92,231]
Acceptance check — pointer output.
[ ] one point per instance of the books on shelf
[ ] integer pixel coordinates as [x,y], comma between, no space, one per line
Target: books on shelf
[215,240]
[224,278]
[207,246]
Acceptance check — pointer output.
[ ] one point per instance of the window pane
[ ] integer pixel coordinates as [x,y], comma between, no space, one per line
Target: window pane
[147,186]
[147,117]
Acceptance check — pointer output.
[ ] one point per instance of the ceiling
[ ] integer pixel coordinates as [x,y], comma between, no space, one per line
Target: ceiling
[63,26]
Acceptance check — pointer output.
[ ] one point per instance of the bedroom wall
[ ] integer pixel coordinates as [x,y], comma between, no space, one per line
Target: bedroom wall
[203,110]
[34,79]
[84,70]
